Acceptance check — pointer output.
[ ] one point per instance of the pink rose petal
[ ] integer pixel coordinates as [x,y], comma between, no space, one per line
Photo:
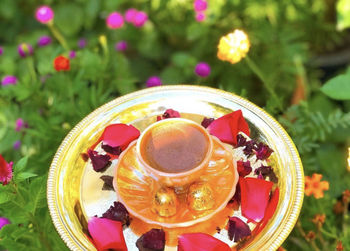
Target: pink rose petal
[119,135]
[201,242]
[255,194]
[228,126]
[107,234]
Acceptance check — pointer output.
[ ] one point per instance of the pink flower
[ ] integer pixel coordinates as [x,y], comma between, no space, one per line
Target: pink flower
[5,171]
[17,144]
[82,43]
[72,54]
[44,14]
[202,69]
[200,5]
[4,221]
[130,14]
[115,20]
[140,18]
[25,49]
[20,124]
[121,45]
[9,80]
[44,40]
[1,50]
[153,81]
[200,16]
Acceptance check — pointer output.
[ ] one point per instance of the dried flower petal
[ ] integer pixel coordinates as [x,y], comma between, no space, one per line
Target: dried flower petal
[249,147]
[254,197]
[263,151]
[238,229]
[206,122]
[241,140]
[107,234]
[99,162]
[201,242]
[228,126]
[112,150]
[244,168]
[107,182]
[169,113]
[152,240]
[118,212]
[266,171]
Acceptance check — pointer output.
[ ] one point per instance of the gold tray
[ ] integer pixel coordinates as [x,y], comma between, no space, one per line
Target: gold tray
[74,192]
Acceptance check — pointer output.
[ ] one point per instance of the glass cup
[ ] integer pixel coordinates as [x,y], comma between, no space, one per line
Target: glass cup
[174,151]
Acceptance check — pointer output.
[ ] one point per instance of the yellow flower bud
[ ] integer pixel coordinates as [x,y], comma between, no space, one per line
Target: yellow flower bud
[233,47]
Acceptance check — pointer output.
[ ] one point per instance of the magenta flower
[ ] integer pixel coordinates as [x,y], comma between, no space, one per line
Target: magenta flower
[1,50]
[9,80]
[200,5]
[44,14]
[115,20]
[25,49]
[82,43]
[44,40]
[153,81]
[20,124]
[121,45]
[72,54]
[202,69]
[130,14]
[17,144]
[140,18]
[5,171]
[200,17]
[4,221]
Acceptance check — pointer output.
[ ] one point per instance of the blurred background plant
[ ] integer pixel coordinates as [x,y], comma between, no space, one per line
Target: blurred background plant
[297,69]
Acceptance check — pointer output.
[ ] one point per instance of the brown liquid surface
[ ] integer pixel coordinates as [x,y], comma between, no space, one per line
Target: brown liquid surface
[174,147]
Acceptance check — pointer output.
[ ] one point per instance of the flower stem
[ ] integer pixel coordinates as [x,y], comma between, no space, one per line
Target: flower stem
[261,76]
[345,215]
[58,36]
[30,65]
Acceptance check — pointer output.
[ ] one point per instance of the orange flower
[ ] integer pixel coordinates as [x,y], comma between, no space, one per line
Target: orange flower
[339,246]
[314,185]
[319,219]
[61,63]
[346,196]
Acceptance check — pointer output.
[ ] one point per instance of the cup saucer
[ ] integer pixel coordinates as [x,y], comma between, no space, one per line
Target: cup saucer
[136,188]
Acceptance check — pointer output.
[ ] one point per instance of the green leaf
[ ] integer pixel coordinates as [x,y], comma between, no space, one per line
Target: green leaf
[23,176]
[343,14]
[37,198]
[69,18]
[21,164]
[338,87]
[5,196]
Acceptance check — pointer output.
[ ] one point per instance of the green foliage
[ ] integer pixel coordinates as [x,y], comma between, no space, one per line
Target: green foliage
[338,87]
[285,36]
[343,14]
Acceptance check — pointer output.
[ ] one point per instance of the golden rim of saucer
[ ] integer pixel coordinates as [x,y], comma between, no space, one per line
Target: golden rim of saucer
[64,181]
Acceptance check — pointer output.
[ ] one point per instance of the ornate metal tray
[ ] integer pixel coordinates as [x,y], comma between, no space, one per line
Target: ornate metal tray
[74,192]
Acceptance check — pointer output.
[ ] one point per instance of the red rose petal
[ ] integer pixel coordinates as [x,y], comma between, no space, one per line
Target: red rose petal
[107,234]
[254,197]
[119,135]
[228,126]
[244,168]
[269,212]
[201,242]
